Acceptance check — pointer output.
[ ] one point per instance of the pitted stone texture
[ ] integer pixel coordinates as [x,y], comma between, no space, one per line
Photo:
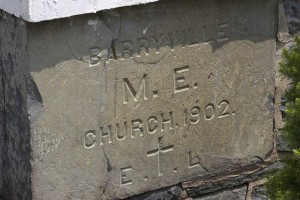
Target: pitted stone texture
[145,97]
[282,27]
[230,182]
[259,193]
[14,129]
[281,143]
[292,8]
[171,193]
[235,194]
[2,120]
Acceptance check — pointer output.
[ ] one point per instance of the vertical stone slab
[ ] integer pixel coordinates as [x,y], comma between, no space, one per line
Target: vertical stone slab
[15,139]
[2,116]
[144,97]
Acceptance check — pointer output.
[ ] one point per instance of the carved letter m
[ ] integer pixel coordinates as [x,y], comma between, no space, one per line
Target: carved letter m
[136,94]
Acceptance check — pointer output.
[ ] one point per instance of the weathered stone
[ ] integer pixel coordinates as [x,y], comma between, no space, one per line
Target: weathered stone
[235,194]
[170,193]
[131,100]
[2,117]
[281,143]
[282,29]
[230,182]
[15,172]
[292,10]
[259,193]
[190,82]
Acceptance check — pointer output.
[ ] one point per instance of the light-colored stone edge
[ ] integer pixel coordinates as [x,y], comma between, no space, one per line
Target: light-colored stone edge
[42,10]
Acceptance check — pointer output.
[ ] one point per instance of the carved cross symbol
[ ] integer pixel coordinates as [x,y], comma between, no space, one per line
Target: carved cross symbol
[158,151]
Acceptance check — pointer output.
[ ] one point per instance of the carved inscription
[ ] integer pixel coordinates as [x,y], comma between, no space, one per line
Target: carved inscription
[118,132]
[46,140]
[157,152]
[124,180]
[212,33]
[224,105]
[90,140]
[179,79]
[153,125]
[109,134]
[132,91]
[193,161]
[139,92]
[136,90]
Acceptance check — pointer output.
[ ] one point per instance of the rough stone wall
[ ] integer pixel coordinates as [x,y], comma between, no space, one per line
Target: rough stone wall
[246,183]
[14,127]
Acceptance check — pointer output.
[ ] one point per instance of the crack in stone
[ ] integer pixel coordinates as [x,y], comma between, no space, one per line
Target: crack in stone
[109,168]
[114,38]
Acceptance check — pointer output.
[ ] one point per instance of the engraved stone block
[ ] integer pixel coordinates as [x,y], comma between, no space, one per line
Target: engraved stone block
[138,98]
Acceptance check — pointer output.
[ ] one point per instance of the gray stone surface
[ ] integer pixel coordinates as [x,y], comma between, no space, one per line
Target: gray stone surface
[259,193]
[190,81]
[231,182]
[14,129]
[281,143]
[2,119]
[292,11]
[282,27]
[170,193]
[235,194]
